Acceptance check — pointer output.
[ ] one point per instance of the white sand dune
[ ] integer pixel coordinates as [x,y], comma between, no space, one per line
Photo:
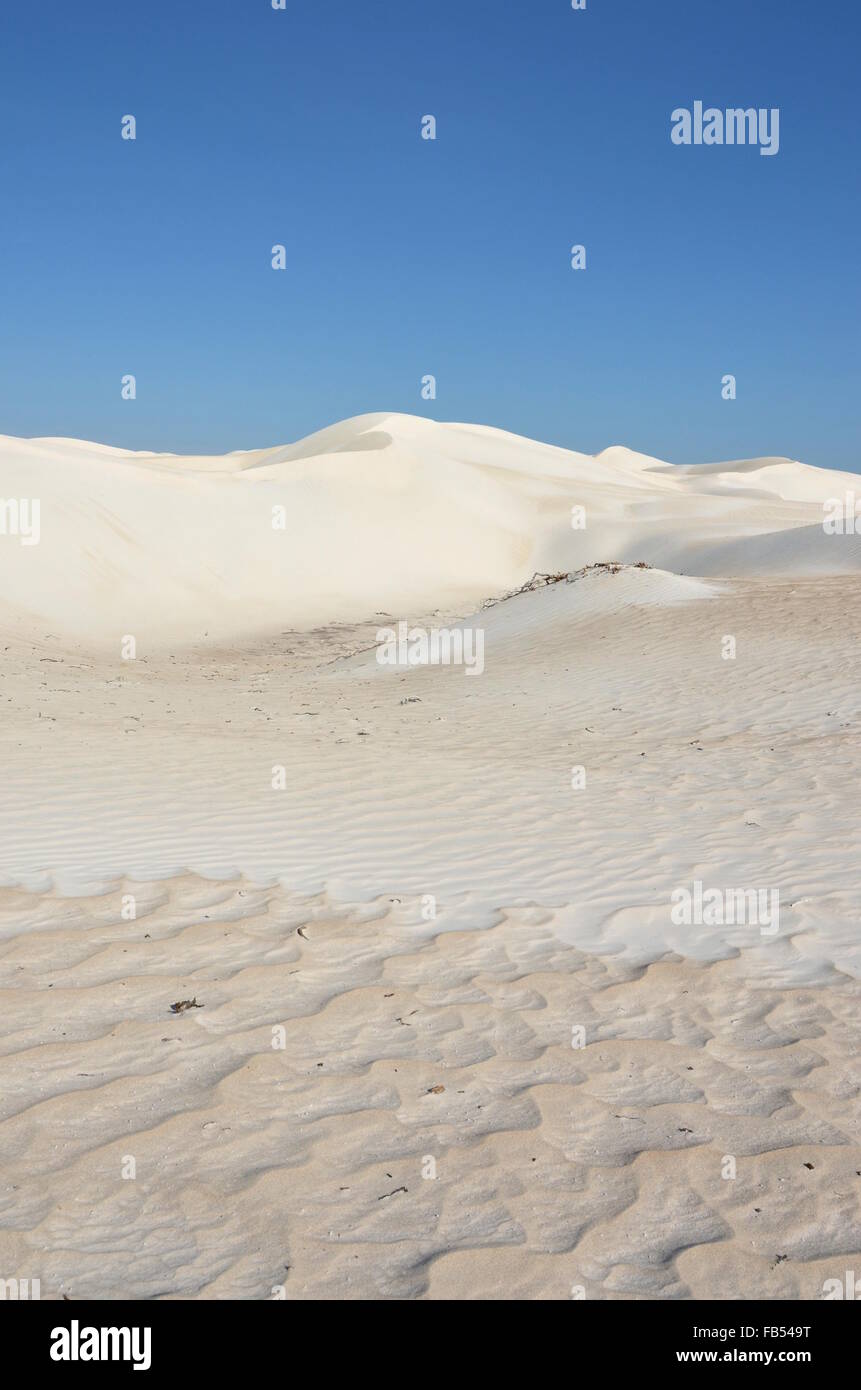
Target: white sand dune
[304,906]
[383,512]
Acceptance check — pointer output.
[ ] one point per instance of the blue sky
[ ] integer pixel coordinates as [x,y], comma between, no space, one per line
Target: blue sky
[408,257]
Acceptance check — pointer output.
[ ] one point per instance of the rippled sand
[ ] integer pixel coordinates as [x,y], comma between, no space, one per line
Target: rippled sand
[309,1165]
[368,1101]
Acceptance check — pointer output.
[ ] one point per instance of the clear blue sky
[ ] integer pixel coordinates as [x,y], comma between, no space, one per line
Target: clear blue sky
[408,257]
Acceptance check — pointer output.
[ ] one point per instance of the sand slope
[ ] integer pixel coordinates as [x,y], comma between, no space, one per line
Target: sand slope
[428,781]
[383,512]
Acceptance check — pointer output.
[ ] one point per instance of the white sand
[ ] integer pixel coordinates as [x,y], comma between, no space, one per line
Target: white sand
[382,512]
[598,1166]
